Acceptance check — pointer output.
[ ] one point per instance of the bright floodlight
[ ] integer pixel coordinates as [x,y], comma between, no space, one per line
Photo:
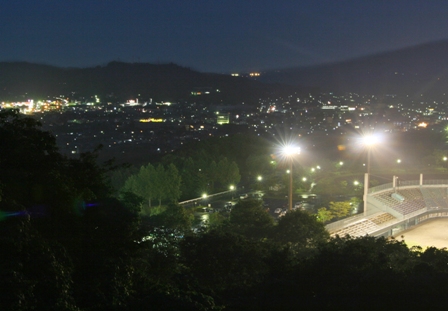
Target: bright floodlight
[290,150]
[204,196]
[370,140]
[259,178]
[232,187]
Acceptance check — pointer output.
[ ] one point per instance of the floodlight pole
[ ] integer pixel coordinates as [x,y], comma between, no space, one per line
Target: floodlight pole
[366,181]
[289,152]
[368,160]
[290,184]
[366,188]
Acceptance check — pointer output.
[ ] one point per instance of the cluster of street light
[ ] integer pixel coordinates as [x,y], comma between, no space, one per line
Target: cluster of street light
[289,151]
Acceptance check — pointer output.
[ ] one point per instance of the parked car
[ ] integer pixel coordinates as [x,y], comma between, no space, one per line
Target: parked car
[244,196]
[298,205]
[258,196]
[278,210]
[228,205]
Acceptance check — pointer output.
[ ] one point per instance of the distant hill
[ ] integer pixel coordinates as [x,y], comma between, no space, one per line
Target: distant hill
[119,81]
[411,71]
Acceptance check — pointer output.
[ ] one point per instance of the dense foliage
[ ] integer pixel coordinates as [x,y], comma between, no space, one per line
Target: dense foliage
[68,245]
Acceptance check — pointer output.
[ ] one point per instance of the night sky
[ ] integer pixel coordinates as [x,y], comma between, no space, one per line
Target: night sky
[214,36]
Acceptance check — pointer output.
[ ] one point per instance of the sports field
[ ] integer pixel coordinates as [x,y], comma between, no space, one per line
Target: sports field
[430,233]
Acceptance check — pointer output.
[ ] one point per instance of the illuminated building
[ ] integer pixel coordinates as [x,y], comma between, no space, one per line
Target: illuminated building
[223,118]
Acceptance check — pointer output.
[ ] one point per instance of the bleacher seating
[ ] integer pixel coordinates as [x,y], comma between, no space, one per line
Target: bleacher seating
[405,201]
[382,218]
[435,197]
[413,200]
[366,226]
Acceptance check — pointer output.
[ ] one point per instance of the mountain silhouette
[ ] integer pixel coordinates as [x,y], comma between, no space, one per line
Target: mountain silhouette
[118,81]
[412,71]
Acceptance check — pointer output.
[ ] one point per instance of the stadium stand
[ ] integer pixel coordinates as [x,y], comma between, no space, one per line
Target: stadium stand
[435,197]
[365,226]
[382,218]
[413,200]
[391,208]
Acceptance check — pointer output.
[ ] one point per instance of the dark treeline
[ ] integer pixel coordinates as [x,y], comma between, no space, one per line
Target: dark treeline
[208,166]
[68,244]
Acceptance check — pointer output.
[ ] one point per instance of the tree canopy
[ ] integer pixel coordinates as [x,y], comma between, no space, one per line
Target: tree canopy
[69,244]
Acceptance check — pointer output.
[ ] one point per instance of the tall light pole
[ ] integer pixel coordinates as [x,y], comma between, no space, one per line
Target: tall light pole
[369,141]
[290,185]
[289,151]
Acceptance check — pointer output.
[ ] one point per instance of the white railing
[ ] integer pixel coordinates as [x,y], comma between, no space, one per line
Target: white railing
[408,183]
[404,183]
[435,182]
[343,222]
[205,198]
[380,188]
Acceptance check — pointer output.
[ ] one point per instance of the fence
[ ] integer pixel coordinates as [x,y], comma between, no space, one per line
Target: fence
[196,200]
